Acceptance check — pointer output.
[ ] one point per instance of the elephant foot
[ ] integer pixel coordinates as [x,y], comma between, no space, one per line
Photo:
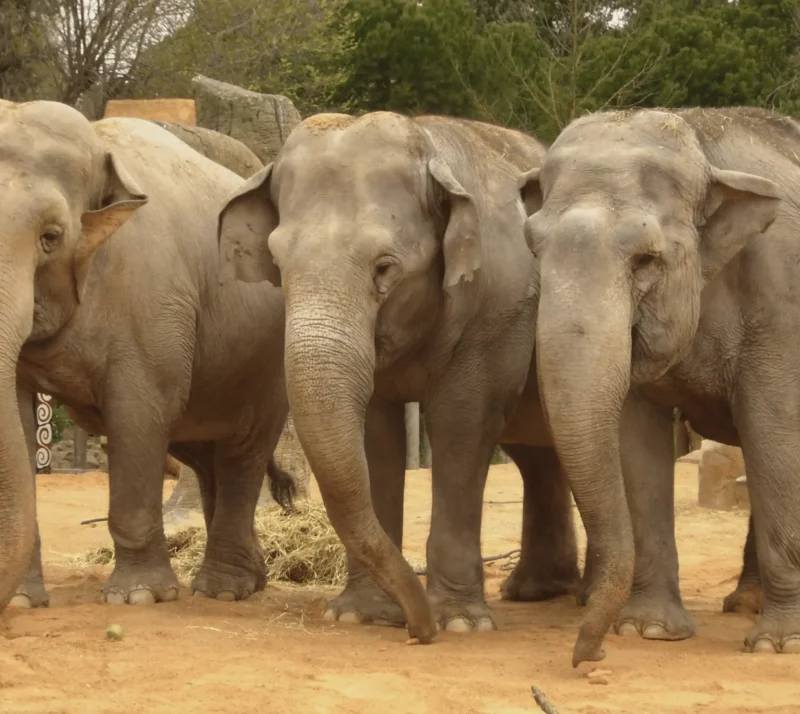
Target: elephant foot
[462,616]
[30,595]
[655,618]
[746,599]
[141,584]
[226,582]
[772,635]
[526,584]
[366,604]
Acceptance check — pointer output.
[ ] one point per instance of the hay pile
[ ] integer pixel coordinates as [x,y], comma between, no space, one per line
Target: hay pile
[299,546]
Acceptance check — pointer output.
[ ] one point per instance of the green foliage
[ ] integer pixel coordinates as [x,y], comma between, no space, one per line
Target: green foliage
[22,50]
[407,56]
[287,47]
[60,422]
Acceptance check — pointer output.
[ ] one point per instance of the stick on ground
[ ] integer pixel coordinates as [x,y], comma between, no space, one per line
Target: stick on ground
[488,559]
[543,701]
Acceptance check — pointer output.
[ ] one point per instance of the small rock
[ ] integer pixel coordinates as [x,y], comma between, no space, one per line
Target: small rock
[114,632]
[599,676]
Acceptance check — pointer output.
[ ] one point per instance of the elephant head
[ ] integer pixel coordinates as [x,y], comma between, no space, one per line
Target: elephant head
[629,220]
[364,225]
[61,196]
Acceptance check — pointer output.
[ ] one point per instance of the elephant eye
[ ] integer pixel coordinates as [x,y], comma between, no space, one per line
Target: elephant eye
[49,239]
[644,260]
[382,268]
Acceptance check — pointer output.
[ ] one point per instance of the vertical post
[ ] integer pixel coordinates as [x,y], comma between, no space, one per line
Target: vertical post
[80,448]
[412,435]
[43,410]
[427,454]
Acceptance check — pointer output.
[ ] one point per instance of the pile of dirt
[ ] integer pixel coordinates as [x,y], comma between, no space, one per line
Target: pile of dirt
[300,546]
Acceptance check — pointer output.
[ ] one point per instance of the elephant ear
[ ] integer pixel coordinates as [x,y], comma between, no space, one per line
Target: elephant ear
[737,207]
[462,237]
[530,191]
[119,199]
[245,223]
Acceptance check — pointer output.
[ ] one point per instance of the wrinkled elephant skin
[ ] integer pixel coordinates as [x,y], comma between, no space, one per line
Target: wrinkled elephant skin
[668,251]
[399,246]
[109,244]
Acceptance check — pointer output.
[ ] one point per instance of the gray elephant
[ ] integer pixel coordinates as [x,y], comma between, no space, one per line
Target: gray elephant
[112,304]
[668,249]
[398,243]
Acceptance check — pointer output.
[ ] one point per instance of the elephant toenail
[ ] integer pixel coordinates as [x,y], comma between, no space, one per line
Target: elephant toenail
[170,595]
[141,596]
[329,615]
[655,631]
[627,629]
[458,624]
[199,593]
[22,601]
[485,625]
[764,646]
[115,598]
[791,645]
[350,618]
[226,596]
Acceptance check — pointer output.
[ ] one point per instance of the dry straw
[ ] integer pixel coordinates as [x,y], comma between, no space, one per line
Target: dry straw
[300,547]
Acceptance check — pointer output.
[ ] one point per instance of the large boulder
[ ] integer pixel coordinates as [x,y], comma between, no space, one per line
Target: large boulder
[260,121]
[721,479]
[220,148]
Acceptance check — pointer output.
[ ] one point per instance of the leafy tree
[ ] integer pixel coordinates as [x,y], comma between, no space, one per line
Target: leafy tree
[285,47]
[406,56]
[23,48]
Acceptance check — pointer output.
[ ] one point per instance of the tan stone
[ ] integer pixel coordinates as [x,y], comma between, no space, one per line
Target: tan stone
[719,468]
[260,121]
[173,110]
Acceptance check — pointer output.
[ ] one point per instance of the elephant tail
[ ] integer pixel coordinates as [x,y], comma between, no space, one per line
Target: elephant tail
[282,485]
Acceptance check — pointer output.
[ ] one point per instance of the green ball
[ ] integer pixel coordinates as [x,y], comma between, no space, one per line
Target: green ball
[114,632]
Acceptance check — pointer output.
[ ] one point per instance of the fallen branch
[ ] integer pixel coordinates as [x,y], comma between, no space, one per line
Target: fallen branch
[543,701]
[489,559]
[497,503]
[94,520]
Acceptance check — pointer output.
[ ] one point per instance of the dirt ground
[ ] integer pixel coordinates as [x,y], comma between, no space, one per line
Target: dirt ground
[275,654]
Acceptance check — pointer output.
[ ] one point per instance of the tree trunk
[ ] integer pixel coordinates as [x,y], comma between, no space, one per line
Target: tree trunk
[426,447]
[412,435]
[79,448]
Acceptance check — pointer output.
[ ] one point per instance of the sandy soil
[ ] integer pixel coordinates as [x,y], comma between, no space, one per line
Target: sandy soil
[275,654]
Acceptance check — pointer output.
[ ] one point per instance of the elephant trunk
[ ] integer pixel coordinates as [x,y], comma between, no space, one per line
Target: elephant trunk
[583,347]
[330,361]
[17,498]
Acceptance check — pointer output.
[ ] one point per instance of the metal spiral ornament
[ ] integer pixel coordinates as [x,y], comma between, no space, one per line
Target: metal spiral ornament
[44,432]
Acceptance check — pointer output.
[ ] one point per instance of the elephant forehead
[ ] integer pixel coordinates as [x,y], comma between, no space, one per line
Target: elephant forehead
[623,173]
[34,151]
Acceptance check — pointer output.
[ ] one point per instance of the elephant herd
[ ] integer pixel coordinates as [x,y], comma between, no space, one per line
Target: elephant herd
[559,301]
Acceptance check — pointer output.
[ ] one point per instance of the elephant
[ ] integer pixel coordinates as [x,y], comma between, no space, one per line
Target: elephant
[221,148]
[667,248]
[111,303]
[399,246]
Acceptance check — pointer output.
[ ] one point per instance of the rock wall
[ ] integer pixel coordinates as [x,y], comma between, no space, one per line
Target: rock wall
[721,479]
[260,121]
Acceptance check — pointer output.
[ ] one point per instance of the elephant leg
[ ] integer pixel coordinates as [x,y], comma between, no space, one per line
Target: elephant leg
[746,599]
[137,449]
[769,428]
[585,585]
[654,609]
[31,592]
[198,456]
[233,565]
[362,600]
[548,562]
[464,421]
